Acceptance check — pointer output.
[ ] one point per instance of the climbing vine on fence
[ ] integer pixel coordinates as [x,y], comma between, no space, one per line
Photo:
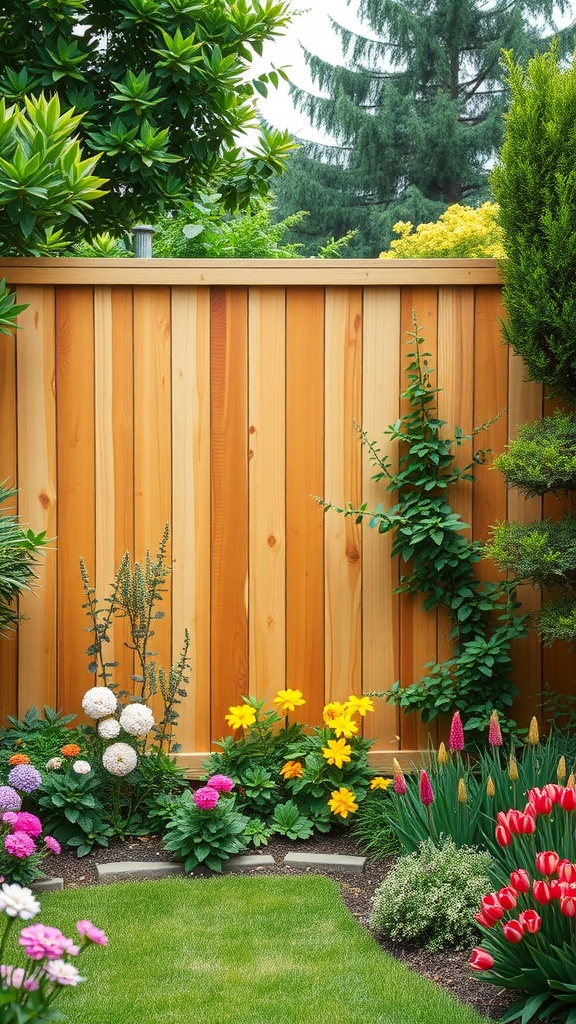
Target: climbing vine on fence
[439,561]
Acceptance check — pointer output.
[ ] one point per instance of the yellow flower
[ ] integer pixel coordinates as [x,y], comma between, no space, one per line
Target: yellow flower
[333,710]
[337,752]
[359,704]
[533,734]
[490,788]
[342,802]
[571,781]
[561,769]
[344,726]
[292,770]
[379,782]
[442,754]
[513,769]
[241,716]
[287,700]
[462,792]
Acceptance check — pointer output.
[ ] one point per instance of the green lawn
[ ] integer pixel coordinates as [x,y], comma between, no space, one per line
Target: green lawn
[235,950]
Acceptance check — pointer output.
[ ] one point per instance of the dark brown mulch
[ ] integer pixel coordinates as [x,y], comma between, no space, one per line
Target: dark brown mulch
[448,969]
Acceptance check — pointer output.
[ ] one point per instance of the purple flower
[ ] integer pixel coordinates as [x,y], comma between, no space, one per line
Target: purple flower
[223,783]
[456,741]
[206,798]
[9,799]
[25,778]
[93,934]
[19,844]
[52,844]
[28,823]
[41,940]
[426,791]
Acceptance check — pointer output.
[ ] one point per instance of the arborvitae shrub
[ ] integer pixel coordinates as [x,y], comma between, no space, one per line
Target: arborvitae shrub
[543,456]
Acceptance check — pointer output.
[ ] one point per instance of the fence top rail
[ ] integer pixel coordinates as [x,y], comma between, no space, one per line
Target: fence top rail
[281,273]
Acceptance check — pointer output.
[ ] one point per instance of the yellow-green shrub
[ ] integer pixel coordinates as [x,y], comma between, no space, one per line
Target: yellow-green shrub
[461,232]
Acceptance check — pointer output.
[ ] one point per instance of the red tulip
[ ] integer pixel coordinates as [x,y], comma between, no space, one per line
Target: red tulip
[541,892]
[555,888]
[568,905]
[547,862]
[507,897]
[485,922]
[568,799]
[553,791]
[491,907]
[513,821]
[503,835]
[520,879]
[513,930]
[540,800]
[526,824]
[502,818]
[426,791]
[456,741]
[530,921]
[566,871]
[480,960]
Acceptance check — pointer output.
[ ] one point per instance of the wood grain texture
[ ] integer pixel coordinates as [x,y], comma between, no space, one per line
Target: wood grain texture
[380,573]
[9,474]
[342,484]
[229,469]
[304,517]
[191,505]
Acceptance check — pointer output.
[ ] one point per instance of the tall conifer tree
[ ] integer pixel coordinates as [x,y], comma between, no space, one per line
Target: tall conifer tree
[415,112]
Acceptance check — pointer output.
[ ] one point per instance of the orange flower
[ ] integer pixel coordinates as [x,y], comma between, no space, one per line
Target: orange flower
[292,770]
[19,759]
[70,750]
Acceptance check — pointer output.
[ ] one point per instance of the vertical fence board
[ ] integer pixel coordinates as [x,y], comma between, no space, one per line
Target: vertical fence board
[305,518]
[381,607]
[9,474]
[191,505]
[229,469]
[343,476]
[76,482]
[104,570]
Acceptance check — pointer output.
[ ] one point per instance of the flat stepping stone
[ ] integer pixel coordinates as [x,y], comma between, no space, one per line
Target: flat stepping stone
[47,885]
[331,861]
[123,869]
[247,862]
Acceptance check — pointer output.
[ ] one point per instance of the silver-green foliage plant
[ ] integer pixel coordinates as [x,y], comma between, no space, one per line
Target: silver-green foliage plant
[430,896]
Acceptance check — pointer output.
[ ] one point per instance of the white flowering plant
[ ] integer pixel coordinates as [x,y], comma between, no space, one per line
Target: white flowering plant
[29,989]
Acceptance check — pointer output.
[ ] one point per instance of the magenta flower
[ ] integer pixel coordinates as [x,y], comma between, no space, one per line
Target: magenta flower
[41,940]
[52,844]
[456,741]
[10,817]
[24,777]
[206,798]
[27,823]
[9,799]
[19,844]
[222,783]
[426,791]
[494,731]
[92,933]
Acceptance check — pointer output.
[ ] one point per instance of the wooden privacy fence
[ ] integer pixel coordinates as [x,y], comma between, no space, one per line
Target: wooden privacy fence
[219,397]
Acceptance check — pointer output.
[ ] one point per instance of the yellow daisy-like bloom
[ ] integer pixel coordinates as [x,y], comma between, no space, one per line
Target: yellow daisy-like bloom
[241,716]
[344,726]
[359,704]
[379,782]
[292,770]
[287,700]
[342,802]
[333,710]
[337,752]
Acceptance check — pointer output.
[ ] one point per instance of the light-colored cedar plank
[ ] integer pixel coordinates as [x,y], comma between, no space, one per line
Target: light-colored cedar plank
[153,453]
[37,496]
[76,483]
[105,567]
[418,629]
[342,484]
[380,761]
[524,406]
[229,272]
[380,606]
[304,517]
[8,474]
[229,469]
[267,491]
[191,507]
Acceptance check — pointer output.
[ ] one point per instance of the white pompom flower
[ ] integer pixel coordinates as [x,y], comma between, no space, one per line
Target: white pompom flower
[18,901]
[136,719]
[108,728]
[81,767]
[99,702]
[119,758]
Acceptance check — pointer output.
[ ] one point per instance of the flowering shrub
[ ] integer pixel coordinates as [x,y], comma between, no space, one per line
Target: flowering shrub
[21,855]
[430,895]
[205,828]
[27,992]
[460,232]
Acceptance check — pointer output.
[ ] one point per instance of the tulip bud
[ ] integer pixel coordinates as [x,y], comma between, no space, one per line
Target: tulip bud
[462,792]
[541,892]
[442,756]
[526,825]
[553,791]
[503,835]
[568,799]
[568,906]
[514,821]
[490,788]
[486,922]
[540,800]
[531,921]
[490,907]
[494,731]
[571,781]
[513,769]
[566,871]
[556,889]
[513,930]
[480,960]
[561,769]
[520,880]
[547,862]
[533,734]
[507,897]
[426,791]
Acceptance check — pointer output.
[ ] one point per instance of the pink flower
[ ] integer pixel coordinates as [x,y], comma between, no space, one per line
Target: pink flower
[491,908]
[456,741]
[494,731]
[19,844]
[540,800]
[10,818]
[41,940]
[15,977]
[28,823]
[426,791]
[206,798]
[92,933]
[52,844]
[221,783]
[480,960]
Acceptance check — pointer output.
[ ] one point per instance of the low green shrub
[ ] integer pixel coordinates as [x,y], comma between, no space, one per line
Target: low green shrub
[205,828]
[430,896]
